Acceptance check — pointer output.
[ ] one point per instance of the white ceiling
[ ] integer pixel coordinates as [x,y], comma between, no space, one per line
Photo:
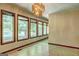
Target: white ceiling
[49,7]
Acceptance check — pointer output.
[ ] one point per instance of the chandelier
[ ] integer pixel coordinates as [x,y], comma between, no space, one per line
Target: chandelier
[38,9]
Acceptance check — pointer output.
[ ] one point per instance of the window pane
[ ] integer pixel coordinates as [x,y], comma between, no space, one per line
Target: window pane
[33,29]
[22,29]
[39,28]
[44,28]
[8,28]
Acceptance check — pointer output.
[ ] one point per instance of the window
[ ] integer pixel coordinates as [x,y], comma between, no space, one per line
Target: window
[39,28]
[7,27]
[33,28]
[47,29]
[44,28]
[22,28]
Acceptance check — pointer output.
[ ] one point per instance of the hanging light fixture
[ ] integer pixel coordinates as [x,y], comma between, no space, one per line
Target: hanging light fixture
[38,9]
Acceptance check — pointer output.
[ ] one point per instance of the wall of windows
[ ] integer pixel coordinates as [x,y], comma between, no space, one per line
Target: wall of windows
[22,28]
[33,30]
[40,28]
[25,29]
[7,28]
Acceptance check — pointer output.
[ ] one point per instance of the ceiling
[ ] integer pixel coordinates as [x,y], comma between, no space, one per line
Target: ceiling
[49,7]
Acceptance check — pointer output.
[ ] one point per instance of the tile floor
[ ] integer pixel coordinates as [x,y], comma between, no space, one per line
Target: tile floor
[36,49]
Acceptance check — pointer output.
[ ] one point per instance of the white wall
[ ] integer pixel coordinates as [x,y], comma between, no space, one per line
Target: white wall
[64,30]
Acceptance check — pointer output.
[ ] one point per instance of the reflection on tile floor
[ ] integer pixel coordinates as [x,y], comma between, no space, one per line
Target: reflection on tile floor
[36,49]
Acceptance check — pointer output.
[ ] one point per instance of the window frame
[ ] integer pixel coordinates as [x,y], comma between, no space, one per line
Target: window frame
[36,27]
[46,28]
[13,14]
[27,25]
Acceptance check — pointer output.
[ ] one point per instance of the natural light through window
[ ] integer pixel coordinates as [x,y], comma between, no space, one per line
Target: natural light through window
[8,27]
[33,28]
[44,28]
[22,28]
[39,28]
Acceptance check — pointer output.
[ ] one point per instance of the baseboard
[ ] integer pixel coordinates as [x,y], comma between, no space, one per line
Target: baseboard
[64,45]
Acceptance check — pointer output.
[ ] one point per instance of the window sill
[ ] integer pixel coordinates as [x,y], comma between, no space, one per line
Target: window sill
[7,42]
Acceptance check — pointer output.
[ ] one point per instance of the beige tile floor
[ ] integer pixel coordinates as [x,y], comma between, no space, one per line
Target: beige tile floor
[36,49]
